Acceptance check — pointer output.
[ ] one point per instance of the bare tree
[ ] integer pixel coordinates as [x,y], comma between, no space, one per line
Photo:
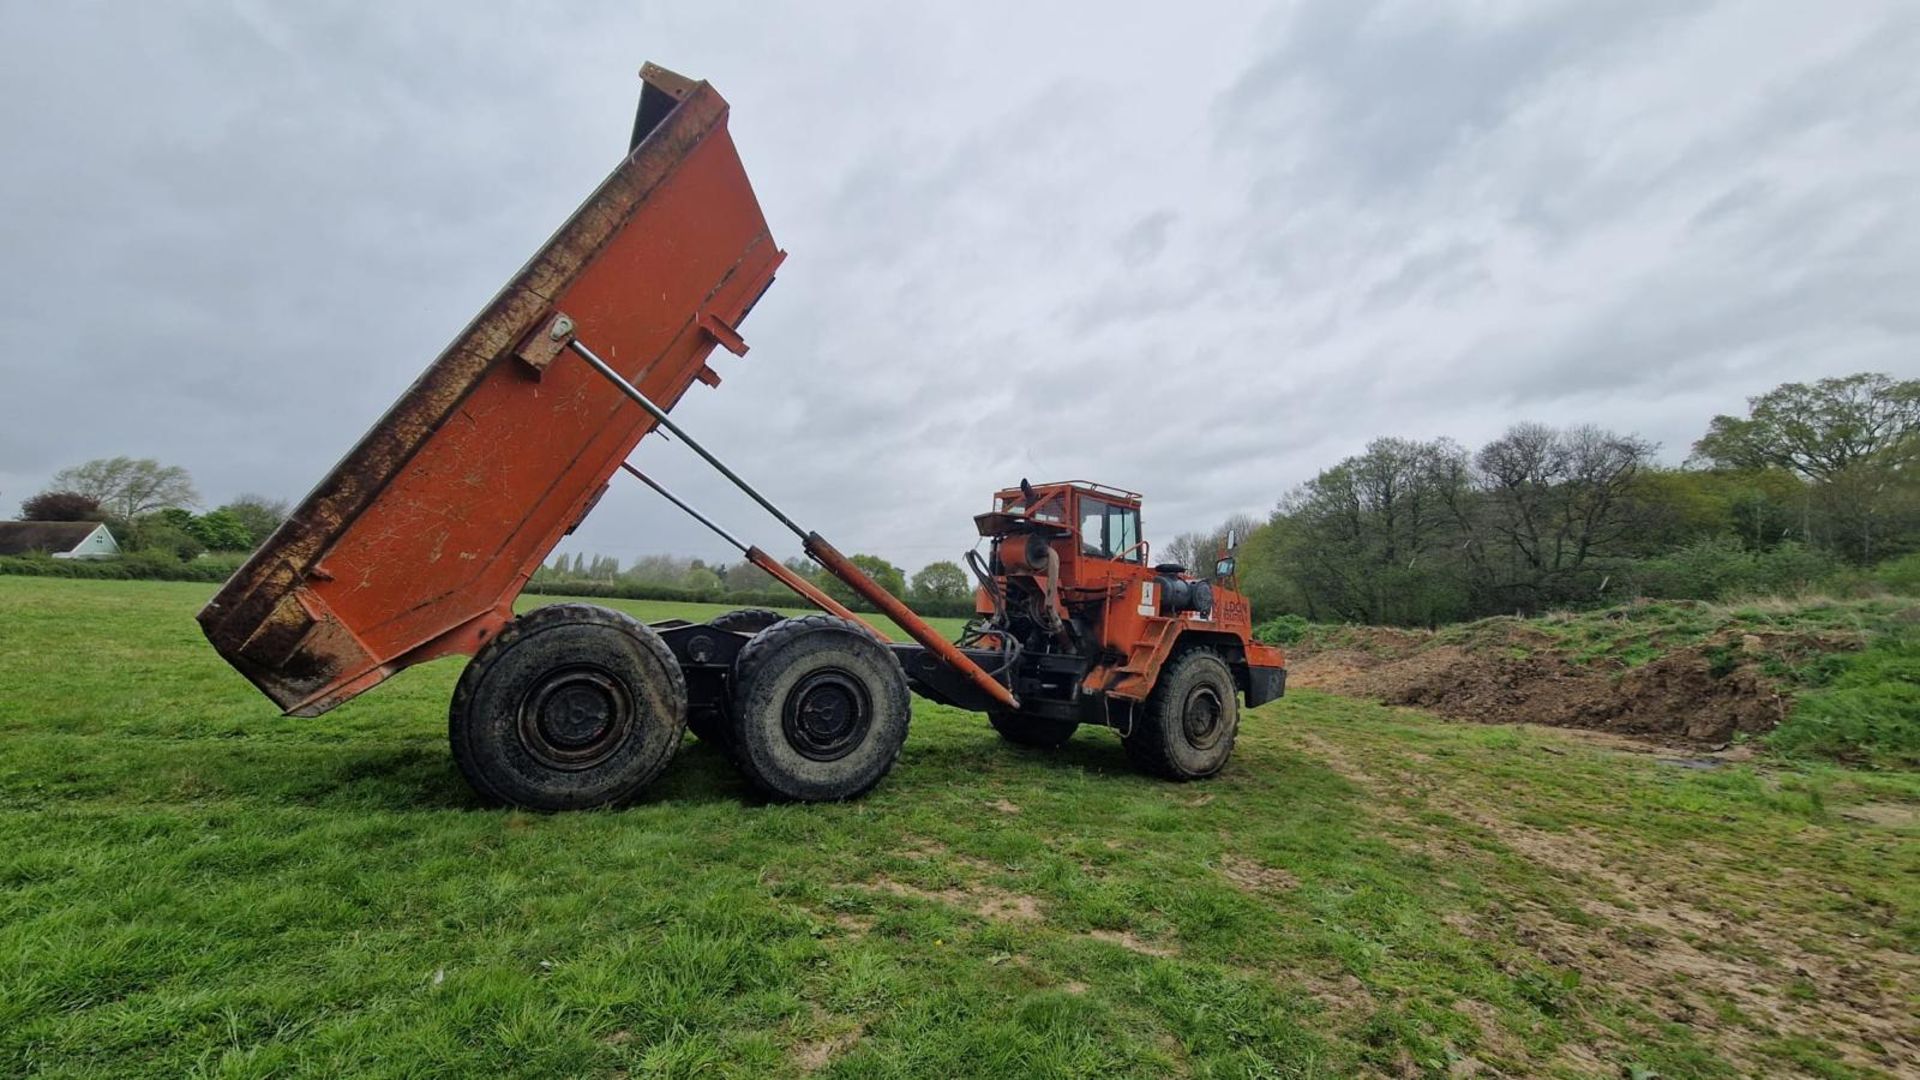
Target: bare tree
[1549,502]
[1370,537]
[129,487]
[1198,551]
[1183,549]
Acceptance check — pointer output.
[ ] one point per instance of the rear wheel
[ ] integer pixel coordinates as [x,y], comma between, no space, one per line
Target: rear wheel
[572,706]
[749,619]
[1186,727]
[819,709]
[1022,729]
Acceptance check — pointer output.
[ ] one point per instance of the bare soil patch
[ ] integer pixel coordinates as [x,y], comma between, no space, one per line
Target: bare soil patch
[1888,815]
[985,901]
[1704,693]
[813,1055]
[1256,877]
[1127,939]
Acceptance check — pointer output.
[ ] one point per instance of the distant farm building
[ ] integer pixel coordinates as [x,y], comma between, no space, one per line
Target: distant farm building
[60,539]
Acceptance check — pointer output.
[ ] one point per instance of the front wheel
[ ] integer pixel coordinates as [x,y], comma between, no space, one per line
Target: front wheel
[572,706]
[1186,727]
[819,709]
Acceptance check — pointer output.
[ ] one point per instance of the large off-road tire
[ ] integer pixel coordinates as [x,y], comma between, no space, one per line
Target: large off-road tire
[819,709]
[572,706]
[1022,729]
[1186,727]
[750,619]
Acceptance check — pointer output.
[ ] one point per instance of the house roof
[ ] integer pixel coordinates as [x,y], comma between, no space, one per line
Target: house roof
[20,537]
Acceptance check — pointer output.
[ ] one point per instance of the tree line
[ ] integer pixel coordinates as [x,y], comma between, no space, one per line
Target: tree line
[150,509]
[939,588]
[153,510]
[1815,481]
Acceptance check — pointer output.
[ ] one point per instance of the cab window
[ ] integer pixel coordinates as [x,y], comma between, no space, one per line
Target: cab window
[1107,530]
[1093,528]
[1048,508]
[1123,531]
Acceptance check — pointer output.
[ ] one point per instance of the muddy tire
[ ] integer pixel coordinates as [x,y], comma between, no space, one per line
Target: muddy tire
[572,706]
[749,619]
[1037,731]
[819,710]
[1186,727]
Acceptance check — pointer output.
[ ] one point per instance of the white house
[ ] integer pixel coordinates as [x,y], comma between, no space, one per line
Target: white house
[60,539]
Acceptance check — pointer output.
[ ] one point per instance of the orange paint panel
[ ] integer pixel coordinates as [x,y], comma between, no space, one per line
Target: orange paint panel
[427,530]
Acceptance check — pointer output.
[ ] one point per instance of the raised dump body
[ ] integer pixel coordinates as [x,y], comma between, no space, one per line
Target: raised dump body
[418,542]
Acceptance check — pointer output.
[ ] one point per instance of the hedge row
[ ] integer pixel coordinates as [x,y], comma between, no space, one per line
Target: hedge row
[163,566]
[633,590]
[140,565]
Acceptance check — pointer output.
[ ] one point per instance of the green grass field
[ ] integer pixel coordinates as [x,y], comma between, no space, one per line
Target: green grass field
[191,885]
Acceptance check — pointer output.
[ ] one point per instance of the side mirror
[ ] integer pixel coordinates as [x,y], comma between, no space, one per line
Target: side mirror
[1223,568]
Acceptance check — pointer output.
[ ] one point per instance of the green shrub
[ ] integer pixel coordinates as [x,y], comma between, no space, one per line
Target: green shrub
[1718,568]
[153,562]
[223,563]
[1869,711]
[161,533]
[1900,575]
[1282,630]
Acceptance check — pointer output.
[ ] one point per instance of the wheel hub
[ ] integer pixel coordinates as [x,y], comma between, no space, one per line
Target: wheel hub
[827,715]
[576,718]
[1202,719]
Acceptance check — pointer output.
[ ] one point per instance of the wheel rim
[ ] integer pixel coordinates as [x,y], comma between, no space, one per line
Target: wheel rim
[1204,720]
[827,715]
[576,718]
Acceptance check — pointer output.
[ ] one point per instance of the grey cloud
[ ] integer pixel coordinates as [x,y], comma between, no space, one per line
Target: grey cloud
[1441,274]
[242,229]
[1145,238]
[1394,88]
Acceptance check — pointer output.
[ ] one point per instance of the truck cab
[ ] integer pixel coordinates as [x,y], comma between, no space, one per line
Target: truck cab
[1082,617]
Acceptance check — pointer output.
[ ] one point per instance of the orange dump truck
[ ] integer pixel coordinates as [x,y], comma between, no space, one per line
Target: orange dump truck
[417,544]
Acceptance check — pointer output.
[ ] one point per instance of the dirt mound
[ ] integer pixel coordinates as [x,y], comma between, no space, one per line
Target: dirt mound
[1705,693]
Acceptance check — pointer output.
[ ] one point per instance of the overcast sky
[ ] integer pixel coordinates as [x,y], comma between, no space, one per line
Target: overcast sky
[1201,251]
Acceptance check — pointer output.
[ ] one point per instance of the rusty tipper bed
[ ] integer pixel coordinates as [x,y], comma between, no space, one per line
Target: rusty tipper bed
[417,543]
